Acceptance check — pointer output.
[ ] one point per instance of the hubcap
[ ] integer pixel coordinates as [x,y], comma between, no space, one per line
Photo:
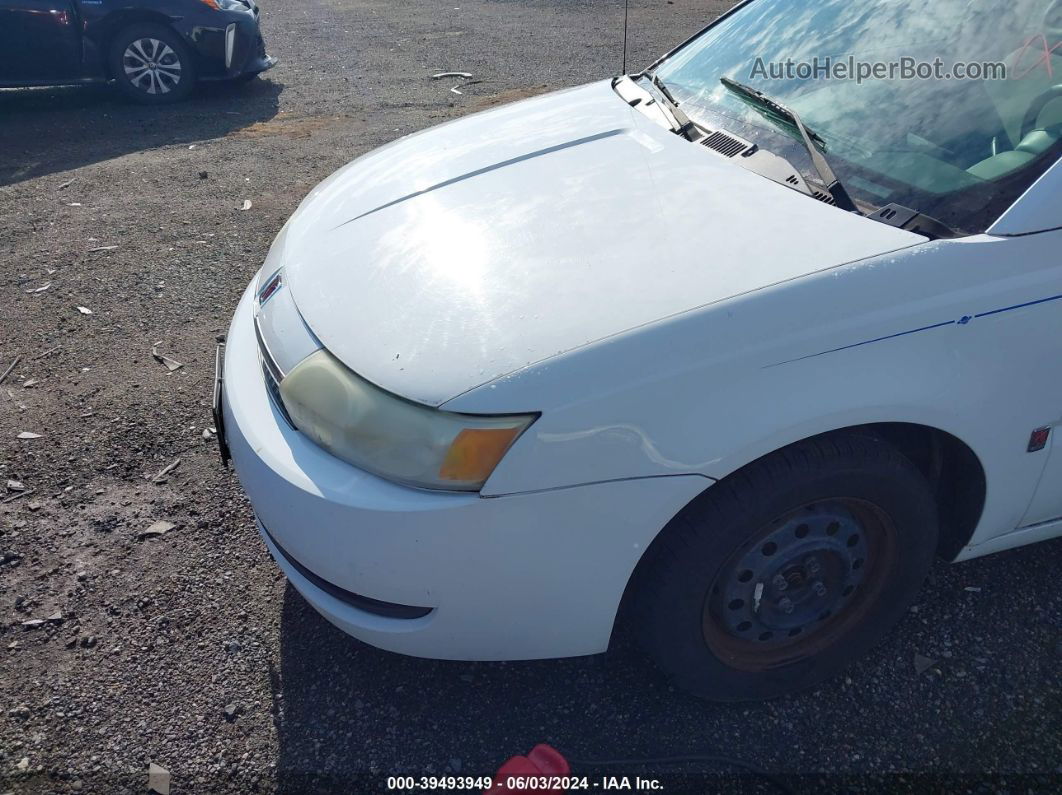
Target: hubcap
[800,583]
[152,66]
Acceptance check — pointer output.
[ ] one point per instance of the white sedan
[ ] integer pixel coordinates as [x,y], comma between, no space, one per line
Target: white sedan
[719,357]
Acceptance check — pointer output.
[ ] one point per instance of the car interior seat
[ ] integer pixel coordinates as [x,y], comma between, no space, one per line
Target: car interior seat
[1029,100]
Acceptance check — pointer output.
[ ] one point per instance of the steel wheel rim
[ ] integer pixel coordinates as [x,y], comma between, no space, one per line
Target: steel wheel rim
[152,65]
[801,582]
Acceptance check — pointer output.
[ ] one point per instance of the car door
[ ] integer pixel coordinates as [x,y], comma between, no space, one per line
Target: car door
[39,41]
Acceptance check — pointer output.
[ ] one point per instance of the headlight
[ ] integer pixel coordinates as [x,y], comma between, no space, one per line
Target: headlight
[394,438]
[225,5]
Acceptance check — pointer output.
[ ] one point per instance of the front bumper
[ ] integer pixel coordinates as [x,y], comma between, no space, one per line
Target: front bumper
[517,577]
[227,44]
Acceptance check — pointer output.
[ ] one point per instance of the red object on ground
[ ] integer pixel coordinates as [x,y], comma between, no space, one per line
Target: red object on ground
[541,762]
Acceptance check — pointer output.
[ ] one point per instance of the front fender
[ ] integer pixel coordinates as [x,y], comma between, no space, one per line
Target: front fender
[954,335]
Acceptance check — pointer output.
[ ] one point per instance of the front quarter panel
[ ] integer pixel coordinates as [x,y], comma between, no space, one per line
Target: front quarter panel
[945,334]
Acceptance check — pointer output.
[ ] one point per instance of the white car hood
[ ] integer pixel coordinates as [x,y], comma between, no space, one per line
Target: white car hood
[471,250]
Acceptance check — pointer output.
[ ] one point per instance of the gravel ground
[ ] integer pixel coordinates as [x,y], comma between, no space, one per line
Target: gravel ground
[187,649]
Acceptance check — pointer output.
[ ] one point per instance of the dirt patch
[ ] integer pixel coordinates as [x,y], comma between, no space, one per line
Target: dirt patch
[512,95]
[286,126]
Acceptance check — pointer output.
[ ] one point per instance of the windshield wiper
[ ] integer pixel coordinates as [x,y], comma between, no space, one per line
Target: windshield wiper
[774,109]
[685,126]
[655,78]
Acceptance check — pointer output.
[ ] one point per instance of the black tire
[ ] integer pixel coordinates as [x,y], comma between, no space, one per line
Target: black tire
[708,607]
[162,67]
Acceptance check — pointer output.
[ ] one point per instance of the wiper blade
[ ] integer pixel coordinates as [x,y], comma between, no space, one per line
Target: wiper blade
[776,110]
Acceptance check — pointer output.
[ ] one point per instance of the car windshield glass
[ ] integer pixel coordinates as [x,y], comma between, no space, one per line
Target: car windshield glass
[950,108]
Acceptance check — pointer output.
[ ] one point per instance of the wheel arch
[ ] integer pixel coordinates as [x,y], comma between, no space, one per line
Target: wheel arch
[953,469]
[104,32]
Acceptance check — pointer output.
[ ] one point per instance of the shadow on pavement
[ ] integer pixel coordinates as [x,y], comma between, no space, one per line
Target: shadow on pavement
[47,130]
[348,716]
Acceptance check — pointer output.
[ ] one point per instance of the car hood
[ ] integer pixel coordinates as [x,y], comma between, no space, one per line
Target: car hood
[452,257]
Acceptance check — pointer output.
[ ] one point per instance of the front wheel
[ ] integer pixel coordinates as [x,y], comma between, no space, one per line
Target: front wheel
[151,64]
[786,572]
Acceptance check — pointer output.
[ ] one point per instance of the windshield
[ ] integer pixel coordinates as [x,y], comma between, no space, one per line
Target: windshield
[948,108]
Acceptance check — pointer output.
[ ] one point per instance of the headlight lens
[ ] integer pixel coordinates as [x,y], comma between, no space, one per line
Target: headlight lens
[394,438]
[225,5]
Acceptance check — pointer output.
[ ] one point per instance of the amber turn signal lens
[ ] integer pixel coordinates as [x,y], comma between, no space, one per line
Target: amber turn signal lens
[475,452]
